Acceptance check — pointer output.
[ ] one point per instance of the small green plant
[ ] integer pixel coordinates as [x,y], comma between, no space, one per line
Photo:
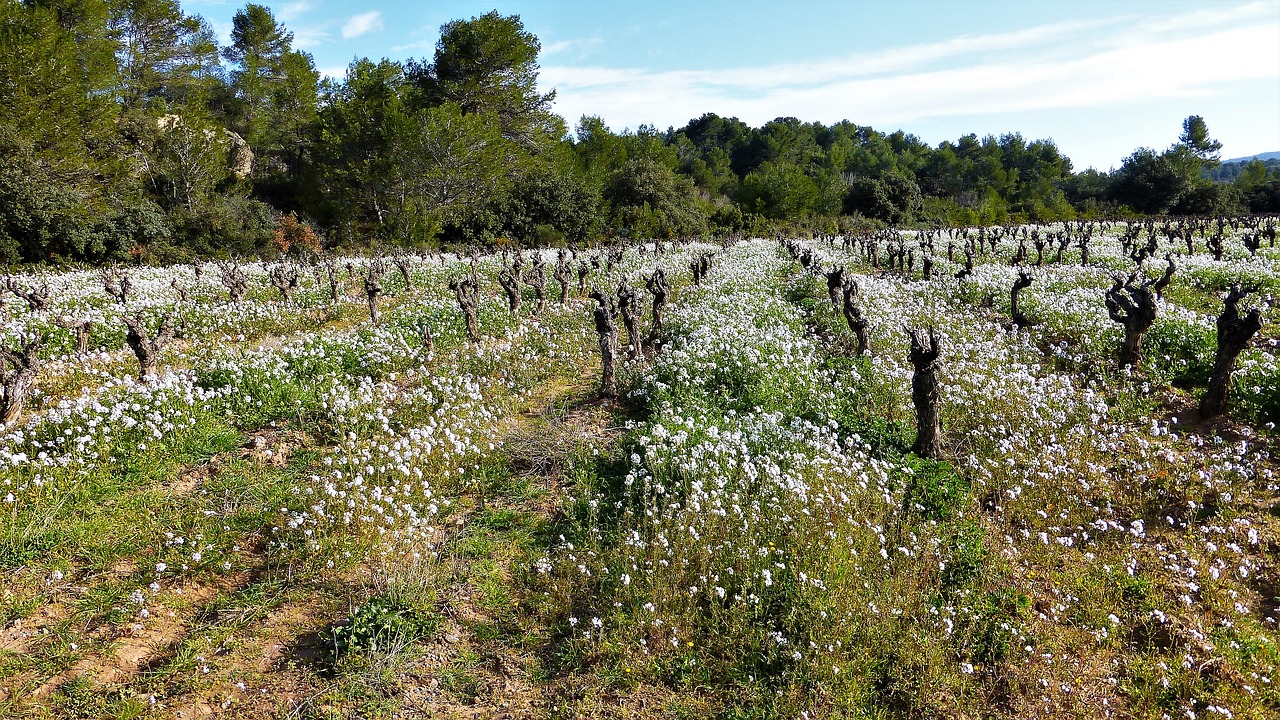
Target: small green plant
[375,623]
[933,489]
[1180,353]
[459,679]
[990,625]
[968,555]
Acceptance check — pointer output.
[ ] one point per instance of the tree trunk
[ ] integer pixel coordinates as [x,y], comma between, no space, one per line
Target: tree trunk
[1234,333]
[608,365]
[1215,398]
[146,348]
[468,300]
[925,395]
[858,324]
[629,308]
[835,283]
[604,314]
[657,285]
[19,376]
[1131,351]
[1015,309]
[428,343]
[16,389]
[473,325]
[82,337]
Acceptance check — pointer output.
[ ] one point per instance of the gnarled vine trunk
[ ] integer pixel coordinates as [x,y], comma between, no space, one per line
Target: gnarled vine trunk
[925,358]
[1234,333]
[607,329]
[18,372]
[464,289]
[858,324]
[146,347]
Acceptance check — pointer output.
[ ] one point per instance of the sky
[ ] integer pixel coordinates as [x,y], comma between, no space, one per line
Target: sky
[1101,78]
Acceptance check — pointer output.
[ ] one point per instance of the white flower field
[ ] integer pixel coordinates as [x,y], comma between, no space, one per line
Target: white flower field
[297,511]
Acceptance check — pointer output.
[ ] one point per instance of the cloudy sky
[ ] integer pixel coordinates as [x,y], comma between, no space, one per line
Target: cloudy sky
[1100,78]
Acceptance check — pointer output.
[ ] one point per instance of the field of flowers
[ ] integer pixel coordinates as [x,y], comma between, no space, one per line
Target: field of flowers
[304,512]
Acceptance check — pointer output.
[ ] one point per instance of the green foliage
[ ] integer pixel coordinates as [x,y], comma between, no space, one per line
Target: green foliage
[987,631]
[228,225]
[377,623]
[274,86]
[967,555]
[933,489]
[489,65]
[546,203]
[650,200]
[122,131]
[166,58]
[1256,390]
[452,162]
[1195,138]
[1181,352]
[785,190]
[895,198]
[1150,182]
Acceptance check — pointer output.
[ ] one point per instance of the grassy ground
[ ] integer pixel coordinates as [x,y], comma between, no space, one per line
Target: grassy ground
[340,523]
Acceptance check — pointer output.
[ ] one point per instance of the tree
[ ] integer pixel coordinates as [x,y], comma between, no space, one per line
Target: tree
[362,123]
[165,56]
[1259,187]
[784,189]
[489,65]
[257,45]
[1151,183]
[649,200]
[599,151]
[925,357]
[57,117]
[275,86]
[1234,333]
[548,198]
[453,163]
[895,198]
[1195,138]
[185,159]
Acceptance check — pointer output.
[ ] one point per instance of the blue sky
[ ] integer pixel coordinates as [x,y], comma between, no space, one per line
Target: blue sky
[1100,78]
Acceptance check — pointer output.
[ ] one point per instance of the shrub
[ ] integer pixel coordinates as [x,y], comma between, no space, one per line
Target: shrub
[933,489]
[374,624]
[967,555]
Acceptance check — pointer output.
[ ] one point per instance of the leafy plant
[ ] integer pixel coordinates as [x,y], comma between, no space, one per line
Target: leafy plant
[933,488]
[376,623]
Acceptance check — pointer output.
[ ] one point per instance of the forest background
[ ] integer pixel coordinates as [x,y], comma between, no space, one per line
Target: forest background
[128,133]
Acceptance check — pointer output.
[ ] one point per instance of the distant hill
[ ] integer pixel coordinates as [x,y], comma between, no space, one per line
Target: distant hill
[1230,169]
[1260,156]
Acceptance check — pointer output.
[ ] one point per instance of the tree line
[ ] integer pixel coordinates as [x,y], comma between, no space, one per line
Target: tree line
[126,131]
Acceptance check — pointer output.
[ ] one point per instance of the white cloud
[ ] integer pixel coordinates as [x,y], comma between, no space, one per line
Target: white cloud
[361,24]
[223,31]
[337,73]
[292,11]
[311,36]
[416,46]
[578,46]
[1065,65]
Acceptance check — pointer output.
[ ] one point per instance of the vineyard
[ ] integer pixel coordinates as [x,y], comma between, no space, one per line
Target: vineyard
[1001,472]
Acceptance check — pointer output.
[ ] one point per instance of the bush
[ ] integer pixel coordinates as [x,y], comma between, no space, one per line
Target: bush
[374,624]
[228,225]
[294,234]
[933,489]
[985,633]
[968,555]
